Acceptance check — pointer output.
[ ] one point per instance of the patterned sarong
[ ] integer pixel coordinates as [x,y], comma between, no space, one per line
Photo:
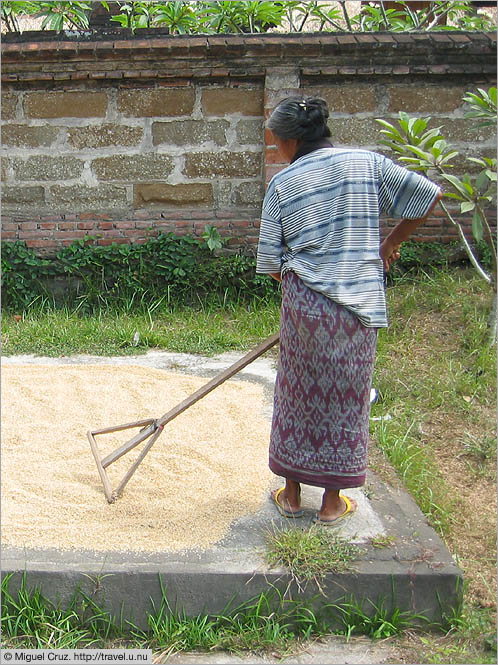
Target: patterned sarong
[322,391]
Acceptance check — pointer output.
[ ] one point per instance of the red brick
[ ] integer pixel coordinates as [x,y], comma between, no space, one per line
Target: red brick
[384,38]
[401,69]
[365,39]
[85,226]
[28,226]
[67,226]
[132,233]
[48,226]
[70,234]
[9,235]
[104,226]
[111,241]
[11,48]
[124,225]
[347,39]
[182,225]
[113,233]
[174,83]
[39,242]
[439,37]
[272,170]
[24,235]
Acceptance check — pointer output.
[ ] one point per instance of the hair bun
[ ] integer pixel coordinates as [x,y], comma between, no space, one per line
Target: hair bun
[302,118]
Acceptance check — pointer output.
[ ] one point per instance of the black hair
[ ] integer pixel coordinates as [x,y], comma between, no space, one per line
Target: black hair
[301,118]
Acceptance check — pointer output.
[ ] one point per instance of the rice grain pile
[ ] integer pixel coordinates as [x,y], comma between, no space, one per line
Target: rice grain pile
[207,468]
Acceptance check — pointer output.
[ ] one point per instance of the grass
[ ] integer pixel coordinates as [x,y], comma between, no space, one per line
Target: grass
[271,621]
[433,361]
[436,376]
[309,553]
[30,621]
[204,329]
[377,621]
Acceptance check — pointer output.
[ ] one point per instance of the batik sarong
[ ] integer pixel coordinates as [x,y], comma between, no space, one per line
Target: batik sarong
[322,393]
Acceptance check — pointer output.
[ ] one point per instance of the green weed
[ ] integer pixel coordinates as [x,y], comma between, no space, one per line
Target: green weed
[417,470]
[29,620]
[309,553]
[481,448]
[382,541]
[373,619]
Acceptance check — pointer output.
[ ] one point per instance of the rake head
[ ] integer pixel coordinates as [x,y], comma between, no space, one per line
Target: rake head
[149,429]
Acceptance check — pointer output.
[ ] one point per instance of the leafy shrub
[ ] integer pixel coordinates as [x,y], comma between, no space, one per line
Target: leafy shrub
[183,267]
[236,16]
[23,274]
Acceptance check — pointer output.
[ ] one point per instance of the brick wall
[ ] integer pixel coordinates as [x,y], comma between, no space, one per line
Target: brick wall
[119,137]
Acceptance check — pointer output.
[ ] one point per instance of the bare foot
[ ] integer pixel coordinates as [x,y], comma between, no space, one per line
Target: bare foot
[288,499]
[291,504]
[341,508]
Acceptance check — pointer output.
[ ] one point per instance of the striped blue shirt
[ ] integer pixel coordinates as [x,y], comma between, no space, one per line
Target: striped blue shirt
[320,219]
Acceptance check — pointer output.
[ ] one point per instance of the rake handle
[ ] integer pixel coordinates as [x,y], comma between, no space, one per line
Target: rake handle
[192,399]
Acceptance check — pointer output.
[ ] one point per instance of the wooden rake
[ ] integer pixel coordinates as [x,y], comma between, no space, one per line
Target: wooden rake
[151,428]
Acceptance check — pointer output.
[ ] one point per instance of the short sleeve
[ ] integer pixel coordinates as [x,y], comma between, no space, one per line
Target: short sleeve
[270,246]
[404,193]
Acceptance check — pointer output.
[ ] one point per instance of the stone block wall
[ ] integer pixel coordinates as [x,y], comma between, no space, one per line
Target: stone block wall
[122,138]
[122,163]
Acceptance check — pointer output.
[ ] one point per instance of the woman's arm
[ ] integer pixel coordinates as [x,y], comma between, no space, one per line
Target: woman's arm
[389,249]
[276,275]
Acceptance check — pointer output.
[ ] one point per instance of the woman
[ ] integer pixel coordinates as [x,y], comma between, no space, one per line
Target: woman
[320,237]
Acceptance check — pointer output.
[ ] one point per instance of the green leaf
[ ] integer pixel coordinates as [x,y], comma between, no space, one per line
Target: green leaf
[457,184]
[448,157]
[477,231]
[431,136]
[384,123]
[467,206]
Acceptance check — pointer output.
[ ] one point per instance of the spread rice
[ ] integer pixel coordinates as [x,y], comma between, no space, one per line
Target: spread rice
[207,469]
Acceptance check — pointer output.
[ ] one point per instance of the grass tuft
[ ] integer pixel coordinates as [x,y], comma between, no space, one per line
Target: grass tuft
[309,553]
[373,619]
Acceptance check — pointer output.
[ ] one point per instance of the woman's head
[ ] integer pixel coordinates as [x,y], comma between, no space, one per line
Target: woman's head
[300,118]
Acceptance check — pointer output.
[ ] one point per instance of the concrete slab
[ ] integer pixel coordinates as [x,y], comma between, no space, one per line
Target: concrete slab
[415,572]
[328,651]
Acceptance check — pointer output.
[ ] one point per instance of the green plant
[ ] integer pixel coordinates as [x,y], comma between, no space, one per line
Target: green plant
[212,238]
[12,10]
[183,17]
[309,553]
[358,618]
[59,15]
[483,106]
[29,620]
[23,275]
[418,472]
[382,541]
[482,448]
[174,269]
[426,150]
